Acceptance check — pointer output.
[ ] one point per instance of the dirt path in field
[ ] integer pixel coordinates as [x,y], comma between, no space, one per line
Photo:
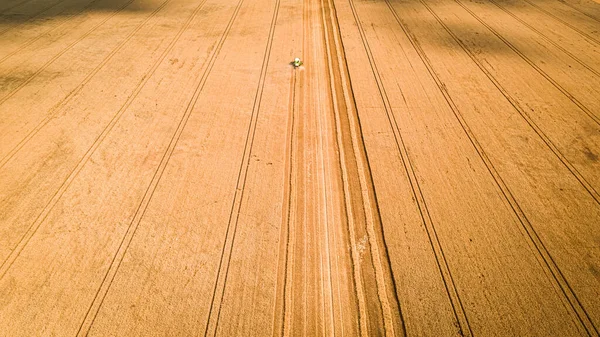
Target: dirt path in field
[431,169]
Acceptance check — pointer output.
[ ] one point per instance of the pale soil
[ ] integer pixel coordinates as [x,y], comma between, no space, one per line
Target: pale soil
[432,168]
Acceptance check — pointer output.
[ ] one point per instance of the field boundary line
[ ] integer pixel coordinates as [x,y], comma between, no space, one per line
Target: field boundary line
[65,100]
[534,240]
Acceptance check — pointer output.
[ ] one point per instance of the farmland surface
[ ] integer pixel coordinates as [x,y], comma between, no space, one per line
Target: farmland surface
[431,169]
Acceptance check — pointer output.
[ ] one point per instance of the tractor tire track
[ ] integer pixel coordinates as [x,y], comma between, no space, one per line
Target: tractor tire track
[328,187]
[140,211]
[71,45]
[82,162]
[324,142]
[534,239]
[282,306]
[388,298]
[579,10]
[547,39]
[225,261]
[582,33]
[333,159]
[575,101]
[434,240]
[514,102]
[347,220]
[56,25]
[63,102]
[11,27]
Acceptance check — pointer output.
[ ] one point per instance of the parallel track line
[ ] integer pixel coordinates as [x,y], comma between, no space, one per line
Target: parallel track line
[542,35]
[549,78]
[348,196]
[445,272]
[579,10]
[304,232]
[324,147]
[329,187]
[64,101]
[382,269]
[73,174]
[54,58]
[279,324]
[144,203]
[46,32]
[12,27]
[534,239]
[514,103]
[227,250]
[363,326]
[582,33]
